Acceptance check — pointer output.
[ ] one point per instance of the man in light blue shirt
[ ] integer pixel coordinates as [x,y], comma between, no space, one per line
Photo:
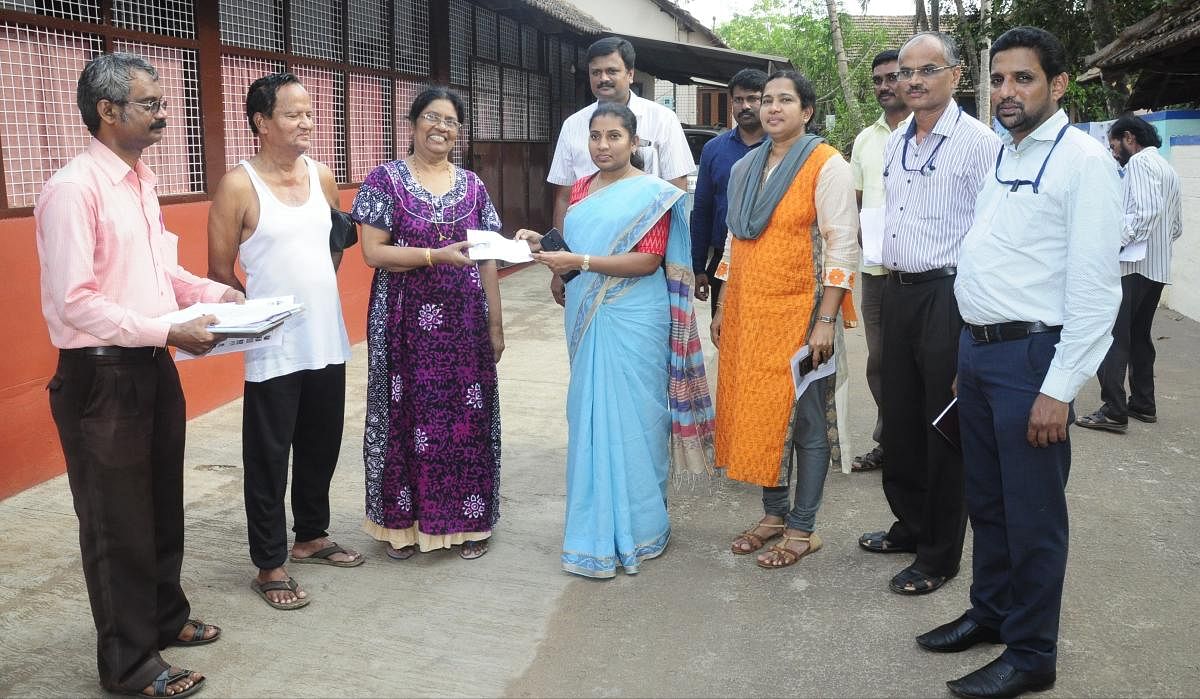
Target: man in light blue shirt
[1038,287]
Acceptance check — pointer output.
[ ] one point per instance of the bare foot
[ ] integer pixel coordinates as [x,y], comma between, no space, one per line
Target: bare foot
[279,596]
[304,549]
[185,682]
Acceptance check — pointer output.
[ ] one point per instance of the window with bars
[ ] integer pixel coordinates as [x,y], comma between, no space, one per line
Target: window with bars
[514,107]
[166,17]
[40,126]
[411,32]
[78,10]
[325,88]
[370,109]
[486,34]
[237,73]
[460,42]
[510,42]
[369,36]
[316,28]
[530,53]
[252,24]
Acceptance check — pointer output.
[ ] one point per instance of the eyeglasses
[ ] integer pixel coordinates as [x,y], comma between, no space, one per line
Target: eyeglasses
[750,99]
[889,78]
[151,106]
[906,74]
[449,122]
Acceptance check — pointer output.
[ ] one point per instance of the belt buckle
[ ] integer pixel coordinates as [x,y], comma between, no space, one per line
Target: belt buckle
[986,338]
[900,276]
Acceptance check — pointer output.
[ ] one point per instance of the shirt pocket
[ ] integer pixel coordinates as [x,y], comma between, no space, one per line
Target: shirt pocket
[168,250]
[1021,218]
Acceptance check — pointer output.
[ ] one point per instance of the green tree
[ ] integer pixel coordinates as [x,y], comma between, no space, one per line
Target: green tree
[800,31]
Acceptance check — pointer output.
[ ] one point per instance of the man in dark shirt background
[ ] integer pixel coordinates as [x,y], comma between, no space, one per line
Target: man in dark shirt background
[712,180]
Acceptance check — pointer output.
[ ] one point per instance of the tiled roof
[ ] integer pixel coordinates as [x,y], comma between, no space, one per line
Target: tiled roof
[689,20]
[1171,28]
[568,14]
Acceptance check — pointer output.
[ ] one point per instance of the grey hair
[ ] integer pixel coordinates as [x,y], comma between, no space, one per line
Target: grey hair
[949,45]
[107,77]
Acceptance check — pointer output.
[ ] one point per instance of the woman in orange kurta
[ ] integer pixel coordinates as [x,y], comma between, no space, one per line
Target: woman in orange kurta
[793,247]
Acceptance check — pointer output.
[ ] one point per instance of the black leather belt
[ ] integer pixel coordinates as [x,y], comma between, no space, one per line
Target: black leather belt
[907,278]
[1000,332]
[114,351]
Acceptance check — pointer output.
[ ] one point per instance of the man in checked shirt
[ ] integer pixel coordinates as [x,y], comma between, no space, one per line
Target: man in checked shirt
[932,172]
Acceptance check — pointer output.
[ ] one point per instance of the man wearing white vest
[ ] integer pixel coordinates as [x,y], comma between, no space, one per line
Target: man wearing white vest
[274,213]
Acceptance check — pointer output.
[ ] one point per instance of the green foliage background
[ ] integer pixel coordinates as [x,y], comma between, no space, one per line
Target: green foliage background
[799,30]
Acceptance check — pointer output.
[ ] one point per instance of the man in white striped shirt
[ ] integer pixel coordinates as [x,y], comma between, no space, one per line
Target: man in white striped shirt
[932,171]
[1153,220]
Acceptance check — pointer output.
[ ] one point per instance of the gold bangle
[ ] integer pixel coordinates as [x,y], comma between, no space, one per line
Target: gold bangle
[428,257]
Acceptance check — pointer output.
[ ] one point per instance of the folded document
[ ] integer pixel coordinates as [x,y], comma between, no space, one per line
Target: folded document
[245,326]
[489,245]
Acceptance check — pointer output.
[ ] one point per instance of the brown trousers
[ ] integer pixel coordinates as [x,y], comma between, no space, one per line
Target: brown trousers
[121,422]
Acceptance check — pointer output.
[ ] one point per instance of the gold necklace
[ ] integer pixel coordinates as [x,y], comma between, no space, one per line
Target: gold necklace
[437,228]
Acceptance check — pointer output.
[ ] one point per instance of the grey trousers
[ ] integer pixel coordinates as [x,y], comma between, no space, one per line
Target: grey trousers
[811,463]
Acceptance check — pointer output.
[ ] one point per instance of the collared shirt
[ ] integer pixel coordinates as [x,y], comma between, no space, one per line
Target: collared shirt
[837,221]
[1050,256]
[710,203]
[664,148]
[866,164]
[109,267]
[1153,212]
[930,194]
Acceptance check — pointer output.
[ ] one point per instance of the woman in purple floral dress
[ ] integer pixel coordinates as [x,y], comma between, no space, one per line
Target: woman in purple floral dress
[434,335]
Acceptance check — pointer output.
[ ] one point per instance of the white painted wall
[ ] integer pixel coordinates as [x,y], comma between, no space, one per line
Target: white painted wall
[640,18]
[1183,294]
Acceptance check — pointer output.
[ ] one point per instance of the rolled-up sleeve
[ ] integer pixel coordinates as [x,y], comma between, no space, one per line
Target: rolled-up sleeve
[1093,282]
[837,220]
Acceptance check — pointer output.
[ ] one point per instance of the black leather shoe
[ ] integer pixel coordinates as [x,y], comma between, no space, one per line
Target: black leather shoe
[998,679]
[958,635]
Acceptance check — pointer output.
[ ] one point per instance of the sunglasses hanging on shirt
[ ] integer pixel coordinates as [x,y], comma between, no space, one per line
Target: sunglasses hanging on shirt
[928,168]
[1016,184]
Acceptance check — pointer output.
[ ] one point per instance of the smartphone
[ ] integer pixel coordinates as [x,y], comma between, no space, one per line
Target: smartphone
[553,242]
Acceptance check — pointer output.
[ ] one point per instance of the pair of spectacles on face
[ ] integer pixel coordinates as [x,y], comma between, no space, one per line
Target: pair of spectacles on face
[906,74]
[449,122]
[748,100]
[151,106]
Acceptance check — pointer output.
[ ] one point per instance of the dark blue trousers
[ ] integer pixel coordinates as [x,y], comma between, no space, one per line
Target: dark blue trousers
[1015,497]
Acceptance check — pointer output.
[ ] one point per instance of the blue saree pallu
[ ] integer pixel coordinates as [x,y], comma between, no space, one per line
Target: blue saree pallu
[619,409]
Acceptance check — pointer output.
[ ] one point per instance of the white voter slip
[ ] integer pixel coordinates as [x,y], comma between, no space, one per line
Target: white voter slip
[489,245]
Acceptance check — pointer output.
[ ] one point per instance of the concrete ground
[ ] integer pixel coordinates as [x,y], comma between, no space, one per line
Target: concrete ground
[696,622]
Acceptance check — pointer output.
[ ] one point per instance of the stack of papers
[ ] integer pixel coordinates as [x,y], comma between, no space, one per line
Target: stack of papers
[244,326]
[489,245]
[254,317]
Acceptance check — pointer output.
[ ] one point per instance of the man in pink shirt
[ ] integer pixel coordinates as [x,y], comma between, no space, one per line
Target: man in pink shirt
[109,269]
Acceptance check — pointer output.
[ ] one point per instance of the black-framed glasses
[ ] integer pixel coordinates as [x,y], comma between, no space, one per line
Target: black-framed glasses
[1016,184]
[889,78]
[906,74]
[449,122]
[151,106]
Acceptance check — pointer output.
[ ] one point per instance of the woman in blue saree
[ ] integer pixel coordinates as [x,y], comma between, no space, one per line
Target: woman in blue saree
[638,405]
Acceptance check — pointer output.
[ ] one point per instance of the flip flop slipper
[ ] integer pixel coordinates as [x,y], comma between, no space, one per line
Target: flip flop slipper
[198,639]
[165,679]
[290,584]
[1099,421]
[911,581]
[322,557]
[878,542]
[476,550]
[403,553]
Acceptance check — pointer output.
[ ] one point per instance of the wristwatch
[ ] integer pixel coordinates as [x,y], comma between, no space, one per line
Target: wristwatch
[826,319]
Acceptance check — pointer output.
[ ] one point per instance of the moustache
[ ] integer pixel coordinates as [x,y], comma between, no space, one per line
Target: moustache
[746,113]
[160,124]
[886,93]
[1009,103]
[606,84]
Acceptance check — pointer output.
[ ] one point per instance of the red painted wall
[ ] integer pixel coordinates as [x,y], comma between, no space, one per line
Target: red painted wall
[29,449]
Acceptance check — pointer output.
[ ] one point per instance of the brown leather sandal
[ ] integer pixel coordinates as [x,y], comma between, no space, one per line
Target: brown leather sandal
[789,556]
[756,541]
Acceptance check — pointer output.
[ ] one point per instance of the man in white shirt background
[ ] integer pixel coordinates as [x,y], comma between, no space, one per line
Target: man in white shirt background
[1153,220]
[1038,290]
[663,147]
[866,164]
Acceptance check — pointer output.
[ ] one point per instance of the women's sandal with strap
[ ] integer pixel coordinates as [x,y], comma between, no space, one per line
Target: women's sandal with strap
[789,556]
[756,542]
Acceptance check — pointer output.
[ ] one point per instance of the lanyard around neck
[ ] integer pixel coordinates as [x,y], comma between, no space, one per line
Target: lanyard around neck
[1016,184]
[928,167]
